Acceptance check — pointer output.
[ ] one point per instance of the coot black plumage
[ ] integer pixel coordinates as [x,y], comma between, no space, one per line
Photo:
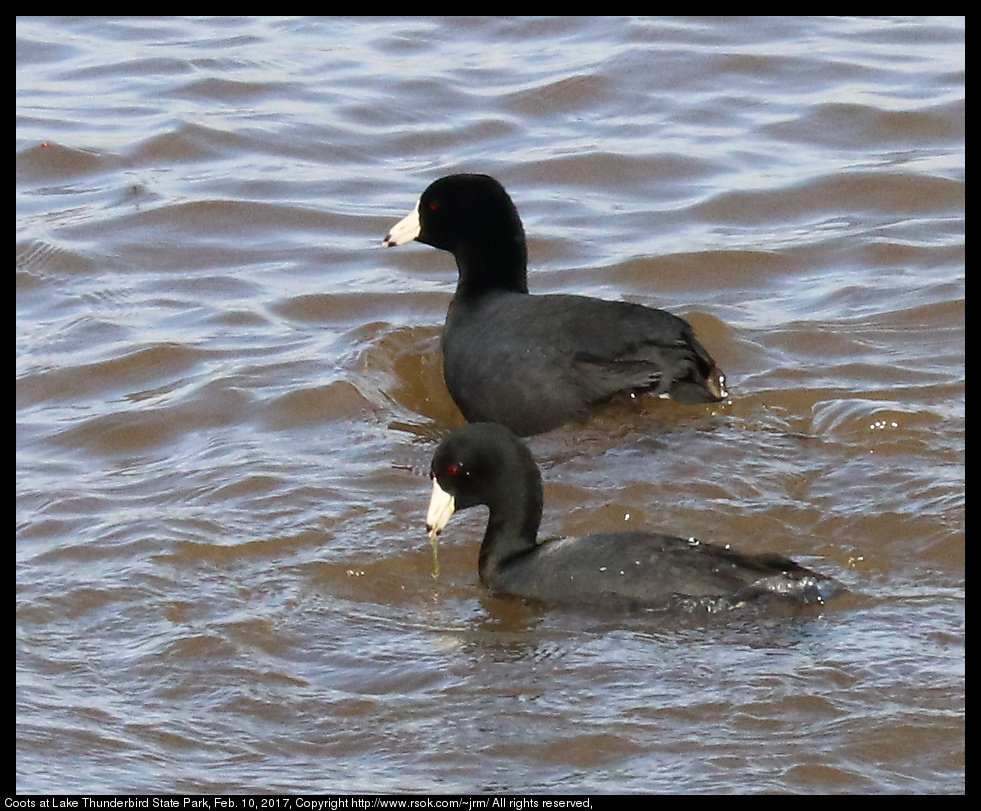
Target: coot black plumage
[484,463]
[530,362]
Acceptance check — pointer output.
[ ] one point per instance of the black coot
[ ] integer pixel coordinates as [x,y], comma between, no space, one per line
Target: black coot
[484,463]
[529,362]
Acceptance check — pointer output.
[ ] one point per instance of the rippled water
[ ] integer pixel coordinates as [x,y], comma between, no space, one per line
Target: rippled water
[228,395]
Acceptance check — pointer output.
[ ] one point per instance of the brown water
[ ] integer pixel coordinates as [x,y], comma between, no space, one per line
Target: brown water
[228,395]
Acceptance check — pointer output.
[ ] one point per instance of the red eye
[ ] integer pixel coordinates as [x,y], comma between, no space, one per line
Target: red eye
[453,470]
[433,205]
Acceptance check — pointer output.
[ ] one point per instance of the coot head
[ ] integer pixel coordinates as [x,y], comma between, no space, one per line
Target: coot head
[472,217]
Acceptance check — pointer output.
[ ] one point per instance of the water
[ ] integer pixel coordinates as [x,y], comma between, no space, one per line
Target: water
[228,395]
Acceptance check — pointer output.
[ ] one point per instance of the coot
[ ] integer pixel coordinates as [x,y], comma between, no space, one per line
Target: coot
[532,362]
[485,463]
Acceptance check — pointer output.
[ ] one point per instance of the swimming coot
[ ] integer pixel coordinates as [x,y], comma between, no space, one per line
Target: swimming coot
[485,463]
[530,362]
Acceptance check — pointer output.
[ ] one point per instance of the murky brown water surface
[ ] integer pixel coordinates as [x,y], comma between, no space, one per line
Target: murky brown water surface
[228,395]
